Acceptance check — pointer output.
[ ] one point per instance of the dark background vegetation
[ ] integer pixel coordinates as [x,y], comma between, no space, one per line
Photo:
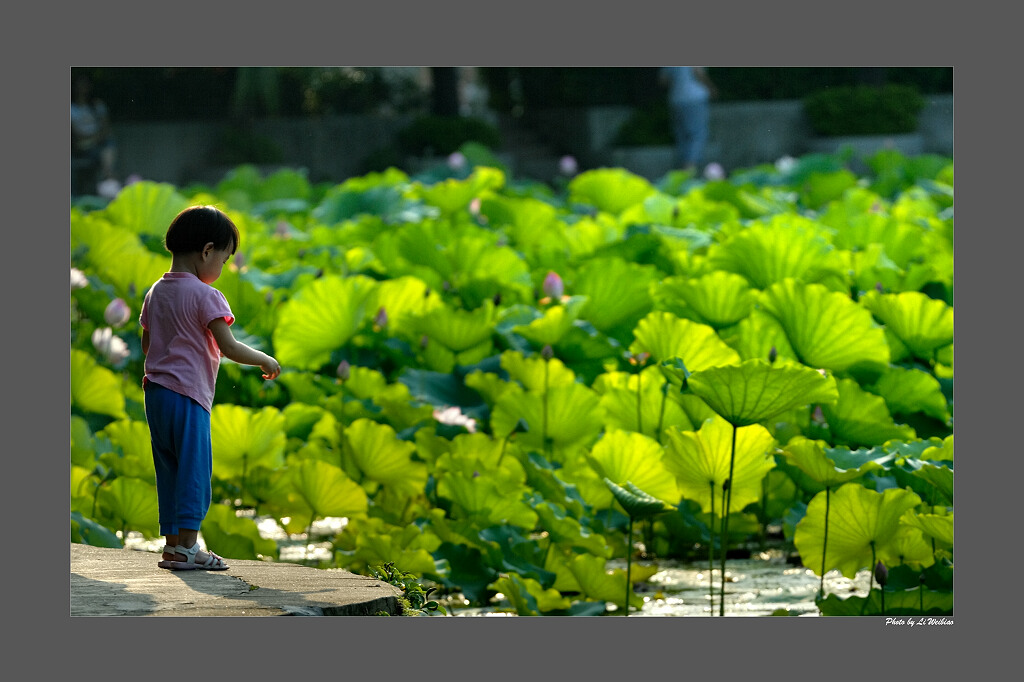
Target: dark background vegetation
[174,94]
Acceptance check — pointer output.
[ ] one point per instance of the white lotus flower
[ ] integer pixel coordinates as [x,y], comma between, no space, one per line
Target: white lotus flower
[454,417]
[111,346]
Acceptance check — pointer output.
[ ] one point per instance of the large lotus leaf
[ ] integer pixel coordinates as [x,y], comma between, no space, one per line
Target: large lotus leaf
[719,299]
[95,388]
[534,372]
[527,596]
[327,490]
[859,519]
[818,189]
[117,255]
[612,190]
[574,414]
[939,452]
[88,532]
[831,467]
[629,456]
[755,391]
[566,531]
[700,461]
[860,418]
[456,329]
[554,323]
[483,453]
[321,318]
[658,403]
[404,299]
[132,504]
[477,257]
[234,537]
[79,477]
[617,291]
[901,603]
[922,323]
[937,526]
[933,483]
[908,547]
[825,328]
[273,491]
[487,500]
[372,390]
[451,194]
[769,253]
[756,335]
[136,458]
[665,336]
[146,207]
[83,445]
[383,457]
[244,437]
[637,503]
[369,542]
[907,391]
[598,582]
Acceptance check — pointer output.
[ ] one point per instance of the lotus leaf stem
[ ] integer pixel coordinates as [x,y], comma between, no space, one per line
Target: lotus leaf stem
[725,520]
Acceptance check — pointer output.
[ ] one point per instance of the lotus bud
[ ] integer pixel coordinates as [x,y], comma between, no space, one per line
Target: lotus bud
[785,164]
[772,355]
[282,229]
[714,171]
[132,179]
[108,188]
[111,346]
[239,260]
[497,299]
[878,287]
[547,352]
[456,160]
[881,573]
[117,312]
[269,297]
[380,320]
[424,340]
[78,279]
[567,165]
[131,290]
[553,285]
[474,206]
[344,370]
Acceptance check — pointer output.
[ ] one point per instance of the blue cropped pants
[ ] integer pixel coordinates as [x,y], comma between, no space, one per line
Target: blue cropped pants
[179,430]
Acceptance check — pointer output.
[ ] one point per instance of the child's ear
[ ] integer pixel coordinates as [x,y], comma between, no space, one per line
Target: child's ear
[208,249]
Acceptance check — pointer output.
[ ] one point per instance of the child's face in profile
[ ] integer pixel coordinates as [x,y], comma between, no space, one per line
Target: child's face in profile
[212,263]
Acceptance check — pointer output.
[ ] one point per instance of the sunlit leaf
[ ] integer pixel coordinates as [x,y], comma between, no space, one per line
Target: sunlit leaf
[486,500]
[235,537]
[566,531]
[527,595]
[700,462]
[665,336]
[132,503]
[244,438]
[146,207]
[718,299]
[617,291]
[600,583]
[859,418]
[831,467]
[95,388]
[659,405]
[612,190]
[908,390]
[573,415]
[922,323]
[858,519]
[637,503]
[937,526]
[381,456]
[554,322]
[629,456]
[327,490]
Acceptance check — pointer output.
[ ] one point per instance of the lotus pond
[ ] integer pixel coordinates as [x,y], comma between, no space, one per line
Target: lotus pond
[595,397]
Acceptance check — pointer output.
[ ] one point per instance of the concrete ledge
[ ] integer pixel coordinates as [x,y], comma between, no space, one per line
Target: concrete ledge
[127,582]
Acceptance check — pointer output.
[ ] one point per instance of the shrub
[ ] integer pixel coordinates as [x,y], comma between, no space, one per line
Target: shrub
[864,110]
[445,134]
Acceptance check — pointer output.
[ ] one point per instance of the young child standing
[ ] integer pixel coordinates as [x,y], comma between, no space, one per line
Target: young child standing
[185,331]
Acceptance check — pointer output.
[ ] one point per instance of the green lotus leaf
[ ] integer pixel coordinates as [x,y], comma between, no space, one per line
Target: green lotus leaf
[860,418]
[657,404]
[369,542]
[79,477]
[486,500]
[574,415]
[566,531]
[611,190]
[382,457]
[478,258]
[939,452]
[820,188]
[934,483]
[937,526]
[858,519]
[95,388]
[83,446]
[909,547]
[455,329]
[452,195]
[825,328]
[136,453]
[146,207]
[922,323]
[132,505]
[87,532]
[528,596]
[755,391]
[785,247]
[371,388]
[479,452]
[300,419]
[555,322]
[623,456]
[666,336]
[902,603]
[700,461]
[718,299]
[756,335]
[321,318]
[244,438]
[907,391]
[600,583]
[637,503]
[831,467]
[406,299]
[235,537]
[327,490]
[534,372]
[617,292]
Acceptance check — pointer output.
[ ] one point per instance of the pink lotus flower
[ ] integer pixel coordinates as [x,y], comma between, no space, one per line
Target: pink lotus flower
[132,179]
[78,279]
[110,346]
[456,160]
[454,417]
[553,285]
[714,171]
[117,313]
[380,320]
[567,165]
[283,229]
[344,370]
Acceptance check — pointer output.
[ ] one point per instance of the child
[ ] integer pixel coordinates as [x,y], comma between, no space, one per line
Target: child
[185,330]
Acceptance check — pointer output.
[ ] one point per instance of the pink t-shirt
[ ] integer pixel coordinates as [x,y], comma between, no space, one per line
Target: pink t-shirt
[183,355]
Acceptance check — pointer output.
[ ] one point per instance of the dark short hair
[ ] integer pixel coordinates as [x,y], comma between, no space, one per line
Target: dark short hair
[196,226]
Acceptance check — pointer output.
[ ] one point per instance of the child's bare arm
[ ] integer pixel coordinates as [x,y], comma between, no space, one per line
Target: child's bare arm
[145,341]
[237,351]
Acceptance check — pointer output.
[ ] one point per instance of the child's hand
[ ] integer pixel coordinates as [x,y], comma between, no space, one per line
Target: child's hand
[271,368]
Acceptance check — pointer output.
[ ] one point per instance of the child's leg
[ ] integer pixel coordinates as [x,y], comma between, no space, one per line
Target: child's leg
[159,414]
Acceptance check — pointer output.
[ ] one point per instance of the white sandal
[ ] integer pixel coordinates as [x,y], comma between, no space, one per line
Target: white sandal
[212,563]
